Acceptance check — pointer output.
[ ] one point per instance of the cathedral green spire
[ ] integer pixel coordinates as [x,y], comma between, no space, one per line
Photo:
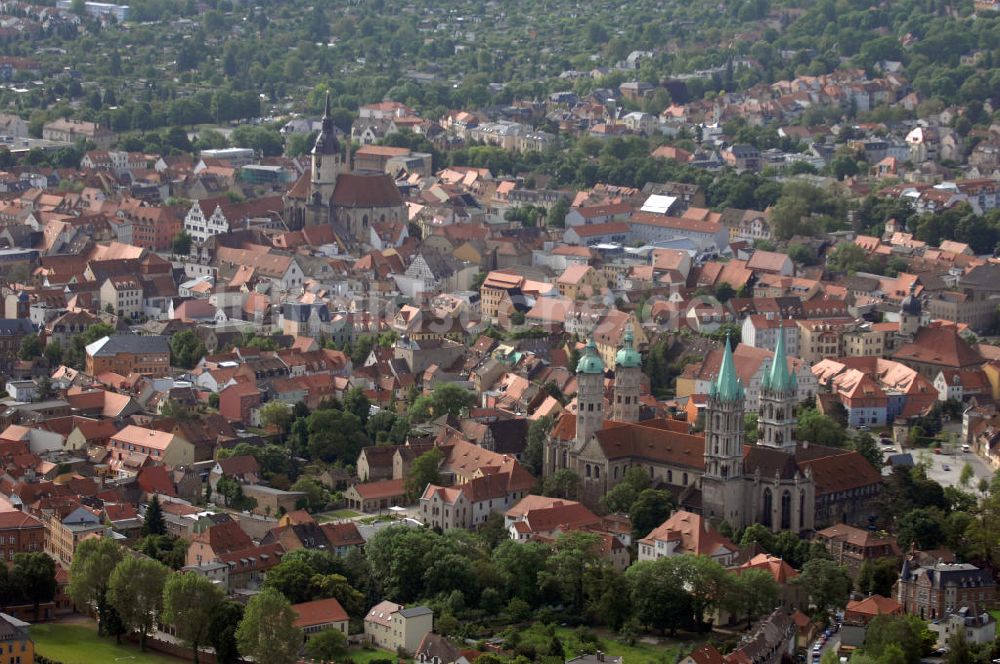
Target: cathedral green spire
[727,386]
[779,378]
[590,362]
[628,357]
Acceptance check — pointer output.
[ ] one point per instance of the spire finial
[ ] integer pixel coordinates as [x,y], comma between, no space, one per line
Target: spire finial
[326,108]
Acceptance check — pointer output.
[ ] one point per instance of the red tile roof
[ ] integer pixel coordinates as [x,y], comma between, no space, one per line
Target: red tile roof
[319,612]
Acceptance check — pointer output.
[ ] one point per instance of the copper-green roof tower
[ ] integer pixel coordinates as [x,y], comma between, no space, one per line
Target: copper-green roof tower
[779,378]
[727,385]
[590,362]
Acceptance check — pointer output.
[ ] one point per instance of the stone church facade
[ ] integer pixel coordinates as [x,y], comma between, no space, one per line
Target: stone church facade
[330,193]
[779,482]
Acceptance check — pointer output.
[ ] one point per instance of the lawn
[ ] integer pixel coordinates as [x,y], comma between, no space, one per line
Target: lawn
[365,655]
[337,514]
[640,653]
[78,644]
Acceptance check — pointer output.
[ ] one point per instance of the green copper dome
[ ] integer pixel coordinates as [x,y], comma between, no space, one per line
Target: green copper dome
[590,362]
[779,378]
[728,386]
[628,357]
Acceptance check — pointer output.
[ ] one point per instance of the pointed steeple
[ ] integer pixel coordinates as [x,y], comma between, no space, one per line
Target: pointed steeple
[728,386]
[326,142]
[779,378]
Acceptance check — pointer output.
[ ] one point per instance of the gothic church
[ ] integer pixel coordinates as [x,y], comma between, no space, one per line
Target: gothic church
[331,193]
[778,482]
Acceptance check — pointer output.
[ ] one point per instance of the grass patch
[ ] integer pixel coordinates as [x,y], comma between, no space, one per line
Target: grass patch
[639,653]
[365,655]
[337,514]
[79,644]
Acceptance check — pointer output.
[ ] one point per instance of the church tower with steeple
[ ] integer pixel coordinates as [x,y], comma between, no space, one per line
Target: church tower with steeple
[722,486]
[589,394]
[778,397]
[628,380]
[327,162]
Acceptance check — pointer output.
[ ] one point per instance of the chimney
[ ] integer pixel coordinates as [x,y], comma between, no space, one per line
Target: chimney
[600,656]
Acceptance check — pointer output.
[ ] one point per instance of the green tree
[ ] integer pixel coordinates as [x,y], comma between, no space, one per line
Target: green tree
[574,555]
[563,483]
[152,522]
[446,399]
[276,414]
[34,575]
[186,349]
[922,527]
[222,632]
[876,577]
[622,496]
[335,435]
[754,594]
[326,645]
[865,444]
[534,451]
[136,593]
[316,493]
[189,602]
[90,573]
[423,471]
[167,549]
[658,596]
[827,583]
[267,631]
[518,565]
[707,582]
[968,474]
[814,427]
[650,509]
[292,579]
[908,633]
[181,244]
[31,347]
[357,402]
[54,353]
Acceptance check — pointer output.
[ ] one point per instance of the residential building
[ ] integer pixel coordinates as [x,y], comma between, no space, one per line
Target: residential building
[238,401]
[936,590]
[686,533]
[20,533]
[64,534]
[123,296]
[16,645]
[853,547]
[71,131]
[321,614]
[162,447]
[390,626]
[376,496]
[126,354]
[469,504]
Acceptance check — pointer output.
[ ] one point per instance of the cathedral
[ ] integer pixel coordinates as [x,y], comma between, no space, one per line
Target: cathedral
[779,482]
[331,193]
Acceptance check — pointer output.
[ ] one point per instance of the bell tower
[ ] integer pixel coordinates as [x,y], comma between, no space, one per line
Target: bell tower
[722,485]
[778,397]
[327,162]
[589,394]
[628,379]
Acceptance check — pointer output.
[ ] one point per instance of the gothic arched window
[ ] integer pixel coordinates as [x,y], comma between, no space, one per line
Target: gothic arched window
[786,510]
[765,517]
